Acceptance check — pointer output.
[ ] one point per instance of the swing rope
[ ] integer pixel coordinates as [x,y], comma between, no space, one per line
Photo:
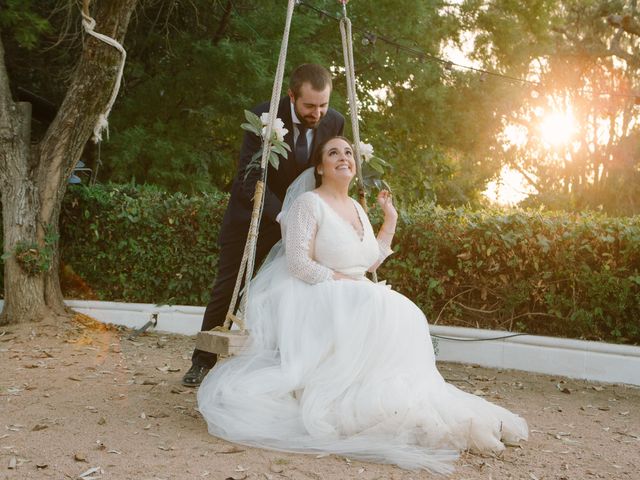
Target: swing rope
[248,259]
[350,74]
[247,263]
[89,25]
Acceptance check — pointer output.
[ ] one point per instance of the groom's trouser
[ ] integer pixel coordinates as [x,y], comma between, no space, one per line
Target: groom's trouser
[229,259]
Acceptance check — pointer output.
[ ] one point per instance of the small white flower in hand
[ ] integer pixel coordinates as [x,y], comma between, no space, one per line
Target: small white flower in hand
[278,127]
[366,150]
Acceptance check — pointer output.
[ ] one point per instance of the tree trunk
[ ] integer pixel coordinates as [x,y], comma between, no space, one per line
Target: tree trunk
[224,23]
[33,183]
[20,206]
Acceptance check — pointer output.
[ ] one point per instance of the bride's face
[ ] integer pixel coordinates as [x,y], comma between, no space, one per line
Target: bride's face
[338,163]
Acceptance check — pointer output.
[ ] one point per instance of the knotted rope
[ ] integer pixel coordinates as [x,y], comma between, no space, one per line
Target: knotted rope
[350,74]
[89,25]
[248,258]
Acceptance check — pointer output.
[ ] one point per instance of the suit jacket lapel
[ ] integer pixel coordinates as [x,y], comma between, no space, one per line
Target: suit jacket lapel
[284,112]
[289,165]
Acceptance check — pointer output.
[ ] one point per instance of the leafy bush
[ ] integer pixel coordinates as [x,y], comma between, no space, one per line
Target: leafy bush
[141,244]
[546,273]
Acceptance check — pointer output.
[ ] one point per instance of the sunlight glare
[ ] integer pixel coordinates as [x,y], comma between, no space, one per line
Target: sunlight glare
[510,188]
[513,136]
[557,128]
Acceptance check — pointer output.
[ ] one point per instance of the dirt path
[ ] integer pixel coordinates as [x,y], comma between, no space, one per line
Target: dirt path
[79,399]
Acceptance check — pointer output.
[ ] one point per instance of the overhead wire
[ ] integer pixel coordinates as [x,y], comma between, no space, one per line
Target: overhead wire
[421,55]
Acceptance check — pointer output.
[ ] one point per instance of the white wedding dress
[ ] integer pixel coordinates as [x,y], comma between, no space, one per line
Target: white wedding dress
[344,367]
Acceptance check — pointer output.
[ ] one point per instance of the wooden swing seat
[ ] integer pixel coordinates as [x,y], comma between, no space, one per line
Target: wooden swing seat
[222,342]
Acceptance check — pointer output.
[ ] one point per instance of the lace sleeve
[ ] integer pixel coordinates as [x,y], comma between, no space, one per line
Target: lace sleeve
[301,227]
[384,250]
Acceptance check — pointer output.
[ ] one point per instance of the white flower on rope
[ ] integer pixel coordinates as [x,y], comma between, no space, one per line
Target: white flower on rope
[278,127]
[366,151]
[373,168]
[277,145]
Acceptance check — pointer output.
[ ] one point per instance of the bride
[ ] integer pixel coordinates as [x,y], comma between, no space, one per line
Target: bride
[337,363]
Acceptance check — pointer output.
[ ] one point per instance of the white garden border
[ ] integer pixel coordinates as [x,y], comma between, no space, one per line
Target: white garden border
[581,359]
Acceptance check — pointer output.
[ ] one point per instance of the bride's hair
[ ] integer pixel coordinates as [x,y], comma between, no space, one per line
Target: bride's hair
[316,159]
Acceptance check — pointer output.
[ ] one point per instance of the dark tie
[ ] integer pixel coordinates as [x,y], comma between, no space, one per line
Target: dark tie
[301,150]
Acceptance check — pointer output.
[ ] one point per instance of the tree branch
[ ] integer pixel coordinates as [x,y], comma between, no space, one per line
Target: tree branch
[6,101]
[88,94]
[626,23]
[623,24]
[224,23]
[617,50]
[630,25]
[513,164]
[7,108]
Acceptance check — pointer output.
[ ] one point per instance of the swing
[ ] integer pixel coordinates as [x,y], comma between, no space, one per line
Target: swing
[222,340]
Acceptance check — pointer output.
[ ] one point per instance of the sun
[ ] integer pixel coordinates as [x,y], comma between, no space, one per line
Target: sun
[557,128]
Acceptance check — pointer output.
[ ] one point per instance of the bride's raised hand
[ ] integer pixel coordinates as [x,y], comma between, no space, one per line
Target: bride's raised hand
[385,201]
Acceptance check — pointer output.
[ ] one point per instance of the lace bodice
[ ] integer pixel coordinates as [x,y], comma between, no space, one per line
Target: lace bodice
[318,241]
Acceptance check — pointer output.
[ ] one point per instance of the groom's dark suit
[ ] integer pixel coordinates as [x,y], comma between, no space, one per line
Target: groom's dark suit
[235,224]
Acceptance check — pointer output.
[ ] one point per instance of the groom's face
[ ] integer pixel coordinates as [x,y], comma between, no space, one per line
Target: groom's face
[311,105]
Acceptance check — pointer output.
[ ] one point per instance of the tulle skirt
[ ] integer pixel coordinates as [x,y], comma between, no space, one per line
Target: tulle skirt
[346,367]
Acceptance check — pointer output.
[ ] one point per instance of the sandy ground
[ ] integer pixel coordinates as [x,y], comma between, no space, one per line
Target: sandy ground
[80,401]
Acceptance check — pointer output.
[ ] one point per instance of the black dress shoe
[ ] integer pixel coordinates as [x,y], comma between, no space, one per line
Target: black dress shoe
[194,376]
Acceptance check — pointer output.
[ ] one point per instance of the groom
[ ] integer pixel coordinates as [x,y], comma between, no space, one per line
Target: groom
[306,115]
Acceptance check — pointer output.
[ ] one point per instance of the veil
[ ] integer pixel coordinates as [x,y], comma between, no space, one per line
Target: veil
[305,182]
[272,264]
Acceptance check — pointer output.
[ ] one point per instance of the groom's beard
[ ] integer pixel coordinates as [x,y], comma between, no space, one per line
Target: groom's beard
[308,122]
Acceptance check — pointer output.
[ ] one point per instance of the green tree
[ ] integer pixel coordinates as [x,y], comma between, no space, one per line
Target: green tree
[194,68]
[584,54]
[34,169]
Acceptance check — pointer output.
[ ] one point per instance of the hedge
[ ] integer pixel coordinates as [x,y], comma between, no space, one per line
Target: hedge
[141,244]
[549,273]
